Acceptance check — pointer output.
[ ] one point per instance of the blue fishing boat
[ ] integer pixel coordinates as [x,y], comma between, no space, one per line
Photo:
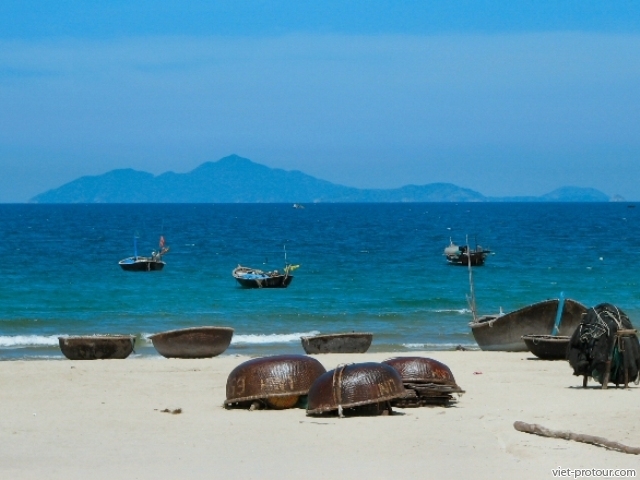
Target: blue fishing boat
[145,264]
[249,277]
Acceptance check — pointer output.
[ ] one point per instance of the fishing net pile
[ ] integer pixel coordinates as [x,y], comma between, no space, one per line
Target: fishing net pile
[605,342]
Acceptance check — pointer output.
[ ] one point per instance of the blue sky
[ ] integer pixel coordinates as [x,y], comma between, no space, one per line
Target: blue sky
[506,98]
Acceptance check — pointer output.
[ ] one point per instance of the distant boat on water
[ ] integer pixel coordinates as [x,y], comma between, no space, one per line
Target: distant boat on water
[298,206]
[249,277]
[145,264]
[464,254]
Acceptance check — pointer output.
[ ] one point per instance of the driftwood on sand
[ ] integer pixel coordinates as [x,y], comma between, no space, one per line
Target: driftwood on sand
[576,437]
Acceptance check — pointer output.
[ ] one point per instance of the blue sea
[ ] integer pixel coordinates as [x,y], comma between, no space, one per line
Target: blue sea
[363,267]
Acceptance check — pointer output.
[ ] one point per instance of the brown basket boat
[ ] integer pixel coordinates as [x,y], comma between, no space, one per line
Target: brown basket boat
[97,347]
[353,342]
[277,382]
[194,342]
[426,381]
[355,389]
[547,347]
[422,370]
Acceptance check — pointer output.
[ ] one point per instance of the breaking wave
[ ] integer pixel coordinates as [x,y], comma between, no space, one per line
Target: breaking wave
[20,341]
[438,346]
[461,311]
[254,339]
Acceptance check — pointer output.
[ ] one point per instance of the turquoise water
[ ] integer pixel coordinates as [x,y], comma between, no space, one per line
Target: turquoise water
[364,267]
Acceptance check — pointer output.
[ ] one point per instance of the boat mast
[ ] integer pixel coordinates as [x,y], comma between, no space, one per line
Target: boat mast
[286,267]
[471,298]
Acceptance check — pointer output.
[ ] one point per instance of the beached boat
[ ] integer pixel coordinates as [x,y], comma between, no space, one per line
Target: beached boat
[276,382]
[548,347]
[249,277]
[355,389]
[505,332]
[145,264]
[97,347]
[353,342]
[194,342]
[463,254]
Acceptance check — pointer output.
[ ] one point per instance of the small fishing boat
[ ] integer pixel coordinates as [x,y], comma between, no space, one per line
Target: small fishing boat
[464,254]
[194,342]
[353,342]
[249,277]
[97,347]
[145,264]
[548,347]
[505,332]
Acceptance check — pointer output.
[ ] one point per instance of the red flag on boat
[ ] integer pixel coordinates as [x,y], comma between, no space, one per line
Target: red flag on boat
[161,241]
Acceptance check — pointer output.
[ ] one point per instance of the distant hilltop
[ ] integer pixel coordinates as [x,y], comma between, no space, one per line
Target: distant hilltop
[238,180]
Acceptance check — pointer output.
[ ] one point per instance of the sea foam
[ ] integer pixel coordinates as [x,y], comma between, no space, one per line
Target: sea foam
[270,338]
[19,341]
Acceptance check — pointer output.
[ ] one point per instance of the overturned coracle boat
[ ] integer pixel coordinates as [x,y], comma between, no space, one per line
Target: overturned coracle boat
[194,342]
[426,382]
[97,347]
[605,347]
[547,347]
[276,382]
[355,389]
[504,332]
[353,342]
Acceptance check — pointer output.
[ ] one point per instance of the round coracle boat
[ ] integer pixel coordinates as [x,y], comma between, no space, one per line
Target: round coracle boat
[276,382]
[422,370]
[97,347]
[194,342]
[547,347]
[354,342]
[426,381]
[355,389]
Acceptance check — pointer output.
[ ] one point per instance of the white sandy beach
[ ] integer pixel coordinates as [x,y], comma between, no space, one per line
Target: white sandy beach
[103,419]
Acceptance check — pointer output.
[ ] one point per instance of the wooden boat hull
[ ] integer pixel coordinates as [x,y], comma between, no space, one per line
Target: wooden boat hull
[97,347]
[548,347]
[272,282]
[477,259]
[196,342]
[337,343]
[504,333]
[141,265]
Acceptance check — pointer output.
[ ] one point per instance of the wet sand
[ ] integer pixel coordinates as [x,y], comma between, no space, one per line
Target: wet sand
[104,419]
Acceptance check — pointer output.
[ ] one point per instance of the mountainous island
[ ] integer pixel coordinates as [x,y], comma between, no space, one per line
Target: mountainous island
[238,180]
